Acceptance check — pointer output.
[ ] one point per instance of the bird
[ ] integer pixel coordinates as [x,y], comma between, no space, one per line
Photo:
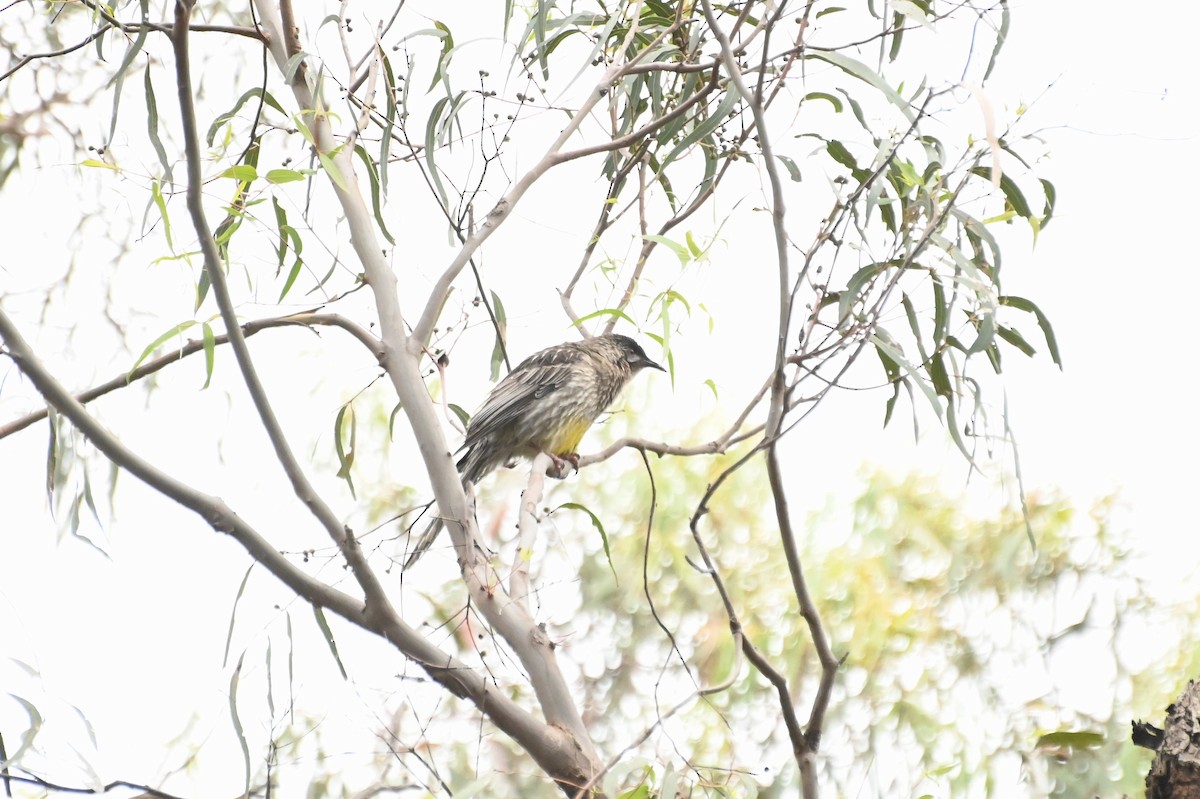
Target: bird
[546,404]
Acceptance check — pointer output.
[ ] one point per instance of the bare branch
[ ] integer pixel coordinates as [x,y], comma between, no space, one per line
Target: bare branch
[808,608]
[125,379]
[501,210]
[215,269]
[146,791]
[527,524]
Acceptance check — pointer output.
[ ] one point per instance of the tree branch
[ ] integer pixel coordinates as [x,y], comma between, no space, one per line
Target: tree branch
[561,747]
[457,677]
[192,347]
[804,747]
[501,210]
[215,269]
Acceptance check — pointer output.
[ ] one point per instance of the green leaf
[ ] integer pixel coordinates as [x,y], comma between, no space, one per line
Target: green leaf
[498,348]
[1076,739]
[1022,304]
[117,81]
[431,147]
[210,353]
[160,203]
[332,169]
[457,410]
[892,370]
[345,445]
[888,345]
[280,224]
[864,73]
[241,172]
[793,170]
[1012,192]
[237,722]
[233,613]
[278,176]
[829,98]
[843,156]
[608,312]
[152,127]
[715,119]
[986,327]
[297,265]
[443,33]
[376,192]
[859,281]
[681,252]
[231,113]
[170,334]
[940,376]
[1051,199]
[92,162]
[912,12]
[328,634]
[599,527]
[1016,339]
[1001,37]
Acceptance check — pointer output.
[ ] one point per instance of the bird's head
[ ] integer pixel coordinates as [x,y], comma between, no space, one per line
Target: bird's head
[626,349]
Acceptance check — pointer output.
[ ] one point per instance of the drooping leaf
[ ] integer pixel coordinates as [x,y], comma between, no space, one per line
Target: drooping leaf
[457,410]
[829,98]
[233,613]
[1022,304]
[599,525]
[117,81]
[617,312]
[329,640]
[864,73]
[681,252]
[210,353]
[498,348]
[1001,37]
[161,205]
[376,192]
[266,97]
[170,334]
[1016,339]
[1012,192]
[234,679]
[443,61]
[344,442]
[152,128]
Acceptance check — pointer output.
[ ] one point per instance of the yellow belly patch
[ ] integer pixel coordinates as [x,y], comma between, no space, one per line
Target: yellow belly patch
[566,439]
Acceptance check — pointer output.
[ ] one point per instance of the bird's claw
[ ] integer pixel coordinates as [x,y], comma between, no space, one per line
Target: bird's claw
[560,470]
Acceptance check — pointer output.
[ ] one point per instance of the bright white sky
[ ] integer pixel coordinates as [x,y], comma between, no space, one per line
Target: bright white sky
[1117,96]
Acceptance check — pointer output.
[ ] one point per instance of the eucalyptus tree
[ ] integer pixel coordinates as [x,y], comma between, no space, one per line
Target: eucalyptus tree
[358,167]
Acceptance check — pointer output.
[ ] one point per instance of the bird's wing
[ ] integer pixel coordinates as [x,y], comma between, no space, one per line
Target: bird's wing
[537,376]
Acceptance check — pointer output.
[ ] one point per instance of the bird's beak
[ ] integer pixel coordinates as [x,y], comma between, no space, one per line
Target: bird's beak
[652,365]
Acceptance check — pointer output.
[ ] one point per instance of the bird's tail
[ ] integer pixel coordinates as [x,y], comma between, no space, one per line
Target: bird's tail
[423,543]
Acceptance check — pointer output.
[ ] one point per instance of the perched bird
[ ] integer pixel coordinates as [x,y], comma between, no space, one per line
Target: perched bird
[545,405]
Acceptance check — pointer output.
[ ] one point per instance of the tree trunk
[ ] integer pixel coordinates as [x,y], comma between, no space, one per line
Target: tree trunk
[1175,773]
